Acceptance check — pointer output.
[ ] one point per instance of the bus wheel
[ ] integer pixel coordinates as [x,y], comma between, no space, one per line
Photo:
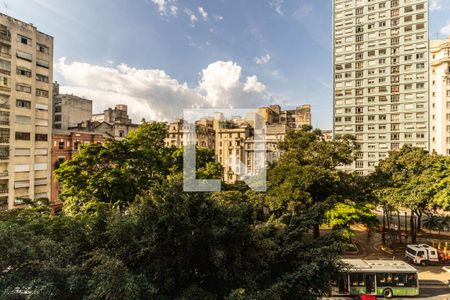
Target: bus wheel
[423,263]
[387,293]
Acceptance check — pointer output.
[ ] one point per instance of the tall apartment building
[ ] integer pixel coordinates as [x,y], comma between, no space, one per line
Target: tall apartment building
[26,64]
[381,75]
[69,110]
[440,95]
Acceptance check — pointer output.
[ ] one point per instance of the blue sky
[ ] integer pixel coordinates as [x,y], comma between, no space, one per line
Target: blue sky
[160,56]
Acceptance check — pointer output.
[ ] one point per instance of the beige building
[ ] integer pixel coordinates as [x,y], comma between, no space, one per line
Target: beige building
[440,96]
[204,134]
[69,110]
[26,67]
[293,119]
[113,123]
[230,146]
[381,76]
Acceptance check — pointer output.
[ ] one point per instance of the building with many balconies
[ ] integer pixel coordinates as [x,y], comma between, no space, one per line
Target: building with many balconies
[380,67]
[26,70]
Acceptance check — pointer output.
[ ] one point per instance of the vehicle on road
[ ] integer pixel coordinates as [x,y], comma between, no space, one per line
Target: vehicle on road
[387,278]
[423,254]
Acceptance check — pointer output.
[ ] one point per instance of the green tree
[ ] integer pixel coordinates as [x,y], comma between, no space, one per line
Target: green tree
[407,180]
[117,171]
[306,177]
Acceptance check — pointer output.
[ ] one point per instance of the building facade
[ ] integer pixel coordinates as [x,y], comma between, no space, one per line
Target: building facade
[70,110]
[114,123]
[440,96]
[64,145]
[204,134]
[381,76]
[293,119]
[26,68]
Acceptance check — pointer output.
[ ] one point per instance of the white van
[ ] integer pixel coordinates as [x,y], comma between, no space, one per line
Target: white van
[422,254]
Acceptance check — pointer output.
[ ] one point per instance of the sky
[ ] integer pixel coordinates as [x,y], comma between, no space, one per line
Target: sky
[162,56]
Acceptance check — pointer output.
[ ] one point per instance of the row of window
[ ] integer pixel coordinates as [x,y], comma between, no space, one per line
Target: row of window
[349,40]
[393,117]
[26,136]
[28,41]
[361,22]
[29,57]
[28,73]
[26,88]
[380,89]
[382,127]
[374,108]
[344,9]
[373,63]
[370,56]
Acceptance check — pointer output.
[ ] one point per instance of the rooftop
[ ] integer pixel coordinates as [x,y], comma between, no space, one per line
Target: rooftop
[378,265]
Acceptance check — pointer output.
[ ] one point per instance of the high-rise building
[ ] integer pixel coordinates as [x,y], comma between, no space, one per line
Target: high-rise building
[440,96]
[26,64]
[380,55]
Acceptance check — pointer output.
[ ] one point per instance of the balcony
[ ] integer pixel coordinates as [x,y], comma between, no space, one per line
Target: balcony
[5,38]
[5,89]
[5,54]
[6,72]
[4,190]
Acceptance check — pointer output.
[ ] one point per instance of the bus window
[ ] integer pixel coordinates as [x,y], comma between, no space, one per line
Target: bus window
[384,279]
[399,279]
[357,280]
[411,280]
[339,283]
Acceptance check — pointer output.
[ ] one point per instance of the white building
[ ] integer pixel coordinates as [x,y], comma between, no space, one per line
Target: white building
[381,76]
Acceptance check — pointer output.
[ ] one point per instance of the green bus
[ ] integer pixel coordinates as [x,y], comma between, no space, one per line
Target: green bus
[388,278]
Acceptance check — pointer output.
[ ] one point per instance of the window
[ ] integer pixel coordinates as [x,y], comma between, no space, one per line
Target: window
[23,119]
[21,87]
[40,77]
[41,137]
[24,55]
[42,48]
[61,145]
[41,93]
[23,103]
[22,136]
[42,63]
[23,40]
[23,71]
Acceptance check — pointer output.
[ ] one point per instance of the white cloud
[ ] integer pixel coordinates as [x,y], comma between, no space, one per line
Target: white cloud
[435,4]
[203,13]
[218,17]
[278,4]
[192,17]
[262,60]
[439,5]
[166,7]
[153,94]
[253,85]
[445,31]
